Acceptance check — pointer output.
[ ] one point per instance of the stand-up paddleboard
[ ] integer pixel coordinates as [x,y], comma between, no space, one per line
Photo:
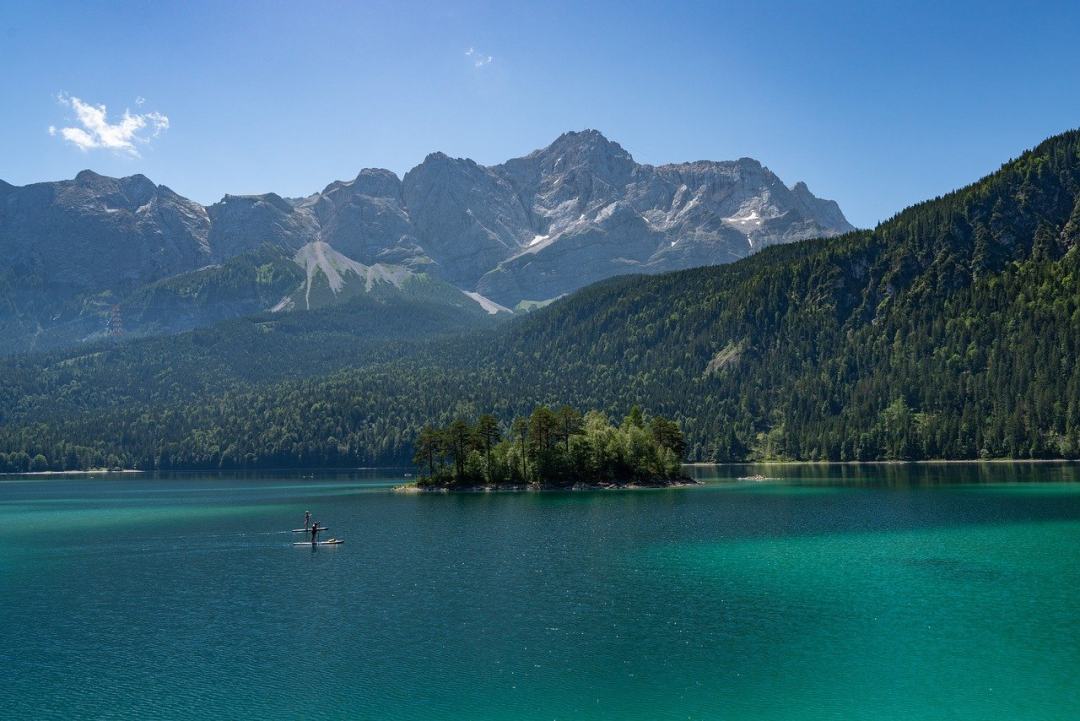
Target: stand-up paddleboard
[331,542]
[308,530]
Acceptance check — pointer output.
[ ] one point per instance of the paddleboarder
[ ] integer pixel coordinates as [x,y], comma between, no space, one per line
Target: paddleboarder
[307,519]
[314,533]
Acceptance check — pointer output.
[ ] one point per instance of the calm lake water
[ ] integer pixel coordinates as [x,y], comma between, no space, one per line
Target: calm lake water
[873,592]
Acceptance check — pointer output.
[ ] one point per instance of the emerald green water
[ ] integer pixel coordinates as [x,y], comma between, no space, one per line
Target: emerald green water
[838,592]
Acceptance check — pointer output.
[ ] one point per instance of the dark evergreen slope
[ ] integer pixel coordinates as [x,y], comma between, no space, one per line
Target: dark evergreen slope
[70,405]
[242,285]
[950,330]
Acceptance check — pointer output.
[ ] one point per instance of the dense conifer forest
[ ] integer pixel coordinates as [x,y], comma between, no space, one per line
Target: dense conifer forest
[949,331]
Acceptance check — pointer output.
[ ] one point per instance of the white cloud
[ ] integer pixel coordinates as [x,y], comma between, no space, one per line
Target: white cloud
[478,58]
[95,131]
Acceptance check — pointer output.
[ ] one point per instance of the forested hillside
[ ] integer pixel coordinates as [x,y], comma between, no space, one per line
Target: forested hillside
[167,375]
[950,331]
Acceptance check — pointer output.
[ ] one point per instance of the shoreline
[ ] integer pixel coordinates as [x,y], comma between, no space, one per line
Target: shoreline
[88,472]
[971,461]
[415,488]
[588,486]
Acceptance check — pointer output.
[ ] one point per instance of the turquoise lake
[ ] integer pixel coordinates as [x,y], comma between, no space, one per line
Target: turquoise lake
[874,592]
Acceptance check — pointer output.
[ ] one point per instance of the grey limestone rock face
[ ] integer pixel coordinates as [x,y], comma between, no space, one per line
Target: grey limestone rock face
[531,229]
[365,219]
[597,213]
[96,232]
[242,223]
[465,216]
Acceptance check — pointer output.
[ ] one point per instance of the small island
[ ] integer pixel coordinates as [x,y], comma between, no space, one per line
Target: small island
[550,449]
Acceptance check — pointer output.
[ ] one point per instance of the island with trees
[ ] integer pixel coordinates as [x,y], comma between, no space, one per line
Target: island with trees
[550,449]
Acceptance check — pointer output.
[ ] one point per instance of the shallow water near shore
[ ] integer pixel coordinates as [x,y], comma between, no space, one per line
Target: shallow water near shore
[827,592]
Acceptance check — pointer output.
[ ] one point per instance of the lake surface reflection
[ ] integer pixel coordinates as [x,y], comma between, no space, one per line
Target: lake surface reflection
[858,592]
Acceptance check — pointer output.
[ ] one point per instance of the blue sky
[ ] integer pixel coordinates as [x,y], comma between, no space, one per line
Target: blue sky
[874,104]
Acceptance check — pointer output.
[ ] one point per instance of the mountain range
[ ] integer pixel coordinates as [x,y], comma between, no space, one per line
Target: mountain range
[949,331]
[485,239]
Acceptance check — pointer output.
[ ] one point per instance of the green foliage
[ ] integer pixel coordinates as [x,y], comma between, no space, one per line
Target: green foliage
[36,315]
[242,285]
[69,405]
[556,449]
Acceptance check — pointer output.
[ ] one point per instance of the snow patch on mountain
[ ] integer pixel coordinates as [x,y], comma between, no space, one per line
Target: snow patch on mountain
[751,218]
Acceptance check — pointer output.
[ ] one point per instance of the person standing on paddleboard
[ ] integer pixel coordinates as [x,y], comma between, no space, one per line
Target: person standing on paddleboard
[307,519]
[314,533]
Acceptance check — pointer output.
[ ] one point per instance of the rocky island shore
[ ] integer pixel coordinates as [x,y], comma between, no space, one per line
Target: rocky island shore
[417,487]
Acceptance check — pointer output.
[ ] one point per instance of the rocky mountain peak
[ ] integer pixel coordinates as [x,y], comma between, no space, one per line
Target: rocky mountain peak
[751,163]
[238,202]
[140,189]
[586,150]
[533,228]
[87,177]
[587,142]
[377,182]
[436,158]
[92,189]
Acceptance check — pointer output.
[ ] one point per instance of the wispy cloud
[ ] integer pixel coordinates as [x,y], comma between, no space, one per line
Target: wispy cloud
[478,58]
[93,129]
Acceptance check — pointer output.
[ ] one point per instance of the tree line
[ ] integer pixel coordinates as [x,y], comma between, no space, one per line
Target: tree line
[549,447]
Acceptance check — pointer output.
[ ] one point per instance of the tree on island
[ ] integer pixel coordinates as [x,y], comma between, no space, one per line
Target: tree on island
[427,448]
[488,433]
[551,448]
[520,429]
[570,423]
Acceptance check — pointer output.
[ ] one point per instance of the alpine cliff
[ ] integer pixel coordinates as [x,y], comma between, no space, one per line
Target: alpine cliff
[541,226]
[517,234]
